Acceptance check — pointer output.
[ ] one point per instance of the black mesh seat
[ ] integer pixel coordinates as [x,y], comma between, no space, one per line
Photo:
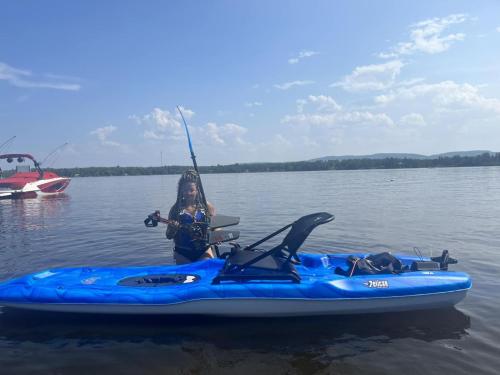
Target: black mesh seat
[274,264]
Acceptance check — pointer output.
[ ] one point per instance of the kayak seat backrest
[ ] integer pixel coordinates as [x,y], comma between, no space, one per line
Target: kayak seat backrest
[276,263]
[302,228]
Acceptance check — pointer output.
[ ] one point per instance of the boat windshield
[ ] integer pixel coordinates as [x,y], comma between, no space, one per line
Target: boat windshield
[23,168]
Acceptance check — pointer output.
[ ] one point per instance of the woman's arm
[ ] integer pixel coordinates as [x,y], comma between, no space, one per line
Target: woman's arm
[211,209]
[173,226]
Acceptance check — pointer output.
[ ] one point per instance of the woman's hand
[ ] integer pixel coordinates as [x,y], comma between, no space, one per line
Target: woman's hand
[172,228]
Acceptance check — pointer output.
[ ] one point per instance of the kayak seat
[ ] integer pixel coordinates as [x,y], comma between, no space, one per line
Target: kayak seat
[249,263]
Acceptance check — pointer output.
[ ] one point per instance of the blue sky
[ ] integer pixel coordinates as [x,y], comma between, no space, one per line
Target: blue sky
[258,80]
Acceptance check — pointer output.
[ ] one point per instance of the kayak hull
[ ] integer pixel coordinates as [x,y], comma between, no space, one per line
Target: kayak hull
[189,290]
[261,307]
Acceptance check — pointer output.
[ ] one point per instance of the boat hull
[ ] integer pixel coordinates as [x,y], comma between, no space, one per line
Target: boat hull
[320,292]
[33,189]
[261,307]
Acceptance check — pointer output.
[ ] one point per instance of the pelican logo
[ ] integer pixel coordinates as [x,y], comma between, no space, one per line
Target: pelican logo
[377,284]
[189,279]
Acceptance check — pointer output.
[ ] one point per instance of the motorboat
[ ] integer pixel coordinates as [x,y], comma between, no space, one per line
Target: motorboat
[249,281]
[28,183]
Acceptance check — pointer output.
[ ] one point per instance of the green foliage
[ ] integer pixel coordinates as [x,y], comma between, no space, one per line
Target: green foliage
[485,159]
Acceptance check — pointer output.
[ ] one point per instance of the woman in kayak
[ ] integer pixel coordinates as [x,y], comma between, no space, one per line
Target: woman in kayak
[189,216]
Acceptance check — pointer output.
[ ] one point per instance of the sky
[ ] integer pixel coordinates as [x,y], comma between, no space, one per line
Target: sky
[257,81]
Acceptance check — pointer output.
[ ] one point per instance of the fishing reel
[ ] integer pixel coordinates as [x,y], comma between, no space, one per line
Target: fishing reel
[152,219]
[198,231]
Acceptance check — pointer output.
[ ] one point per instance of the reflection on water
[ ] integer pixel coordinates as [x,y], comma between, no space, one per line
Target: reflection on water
[208,345]
[287,333]
[27,230]
[31,214]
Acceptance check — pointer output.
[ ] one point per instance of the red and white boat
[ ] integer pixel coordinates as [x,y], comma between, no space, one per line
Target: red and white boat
[26,183]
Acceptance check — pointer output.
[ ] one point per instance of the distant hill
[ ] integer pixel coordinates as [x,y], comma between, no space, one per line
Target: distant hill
[396,155]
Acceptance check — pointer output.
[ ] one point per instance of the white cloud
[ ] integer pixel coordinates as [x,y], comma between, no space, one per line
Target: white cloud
[321,103]
[161,124]
[343,118]
[442,116]
[324,103]
[135,118]
[428,37]
[23,78]
[288,85]
[310,143]
[302,55]
[103,134]
[281,140]
[150,134]
[300,105]
[498,29]
[384,99]
[326,112]
[253,104]
[61,77]
[187,113]
[223,135]
[371,77]
[446,95]
[410,82]
[412,119]
[164,120]
[223,112]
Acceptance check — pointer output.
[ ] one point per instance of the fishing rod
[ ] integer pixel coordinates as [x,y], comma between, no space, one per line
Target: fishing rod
[206,229]
[153,219]
[193,156]
[54,151]
[7,142]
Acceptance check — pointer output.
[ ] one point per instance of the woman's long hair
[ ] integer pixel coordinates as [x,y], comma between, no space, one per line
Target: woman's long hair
[188,177]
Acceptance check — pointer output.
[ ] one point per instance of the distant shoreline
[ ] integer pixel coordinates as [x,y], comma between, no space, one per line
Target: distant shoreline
[486,159]
[483,160]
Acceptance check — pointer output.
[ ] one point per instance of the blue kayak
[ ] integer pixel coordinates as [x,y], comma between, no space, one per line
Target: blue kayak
[249,282]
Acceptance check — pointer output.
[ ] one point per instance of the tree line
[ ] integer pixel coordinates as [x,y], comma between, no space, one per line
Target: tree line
[486,159]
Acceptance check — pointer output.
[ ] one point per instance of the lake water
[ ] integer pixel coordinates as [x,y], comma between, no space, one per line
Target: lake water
[99,221]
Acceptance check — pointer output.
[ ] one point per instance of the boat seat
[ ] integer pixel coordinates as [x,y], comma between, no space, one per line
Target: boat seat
[274,264]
